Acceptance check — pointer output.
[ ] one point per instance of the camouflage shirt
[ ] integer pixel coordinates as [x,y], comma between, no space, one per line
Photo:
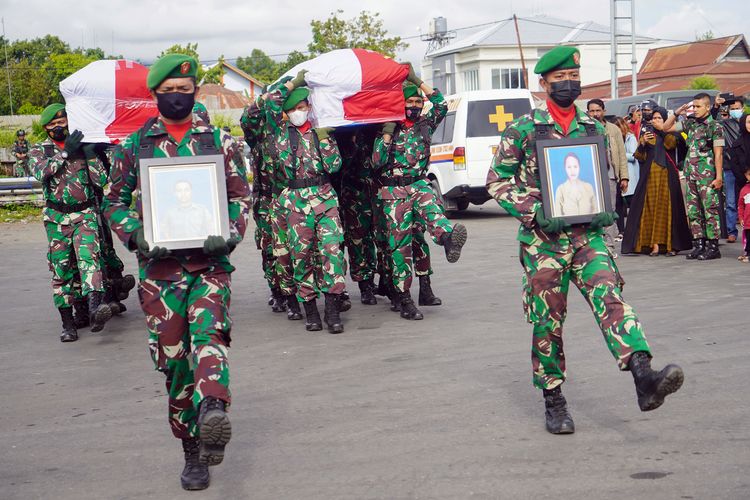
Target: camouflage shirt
[513,179]
[126,218]
[702,136]
[65,182]
[314,158]
[253,126]
[409,151]
[20,148]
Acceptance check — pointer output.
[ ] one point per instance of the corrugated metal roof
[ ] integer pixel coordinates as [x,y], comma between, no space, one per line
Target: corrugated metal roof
[687,55]
[535,31]
[215,96]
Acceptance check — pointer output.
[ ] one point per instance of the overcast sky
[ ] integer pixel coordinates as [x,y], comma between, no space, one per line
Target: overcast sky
[141,29]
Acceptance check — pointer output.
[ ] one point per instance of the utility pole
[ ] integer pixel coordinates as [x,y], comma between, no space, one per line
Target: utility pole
[525,82]
[7,69]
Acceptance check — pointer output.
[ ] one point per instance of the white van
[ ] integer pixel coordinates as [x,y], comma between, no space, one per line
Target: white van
[465,141]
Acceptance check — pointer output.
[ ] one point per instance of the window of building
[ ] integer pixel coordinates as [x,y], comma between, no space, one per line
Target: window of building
[507,78]
[471,79]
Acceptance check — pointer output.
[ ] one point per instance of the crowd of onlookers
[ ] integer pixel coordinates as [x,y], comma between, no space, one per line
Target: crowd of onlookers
[647,173]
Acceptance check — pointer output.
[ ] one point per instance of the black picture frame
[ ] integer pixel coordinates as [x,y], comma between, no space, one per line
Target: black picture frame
[166,221]
[575,200]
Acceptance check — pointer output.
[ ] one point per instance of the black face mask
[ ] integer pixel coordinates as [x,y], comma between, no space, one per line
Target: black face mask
[412,113]
[646,117]
[175,105]
[58,133]
[565,92]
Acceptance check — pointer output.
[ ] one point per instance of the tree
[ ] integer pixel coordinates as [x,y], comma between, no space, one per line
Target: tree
[61,66]
[364,31]
[706,35]
[703,82]
[259,65]
[294,58]
[191,49]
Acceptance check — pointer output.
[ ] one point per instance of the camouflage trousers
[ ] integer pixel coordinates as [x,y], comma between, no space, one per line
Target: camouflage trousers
[405,209]
[547,276]
[282,269]
[359,231]
[189,328]
[73,258]
[264,240]
[703,209]
[420,249]
[313,233]
[110,260]
[21,168]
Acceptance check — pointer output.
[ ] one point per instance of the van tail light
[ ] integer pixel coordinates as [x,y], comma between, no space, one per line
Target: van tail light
[459,155]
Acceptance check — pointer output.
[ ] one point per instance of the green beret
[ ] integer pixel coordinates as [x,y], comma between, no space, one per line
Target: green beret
[171,66]
[411,90]
[52,112]
[295,97]
[561,57]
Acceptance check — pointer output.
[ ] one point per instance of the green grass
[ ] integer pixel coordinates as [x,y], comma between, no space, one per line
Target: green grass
[20,212]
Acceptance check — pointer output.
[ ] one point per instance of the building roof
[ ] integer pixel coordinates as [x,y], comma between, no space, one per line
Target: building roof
[215,96]
[726,60]
[535,31]
[235,69]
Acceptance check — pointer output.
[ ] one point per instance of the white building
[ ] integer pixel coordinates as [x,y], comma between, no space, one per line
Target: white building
[490,58]
[239,81]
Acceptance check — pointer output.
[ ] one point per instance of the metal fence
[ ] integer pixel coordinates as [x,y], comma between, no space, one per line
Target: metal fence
[21,190]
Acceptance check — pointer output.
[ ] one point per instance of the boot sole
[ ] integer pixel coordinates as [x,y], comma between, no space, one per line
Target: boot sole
[563,430]
[458,240]
[314,327]
[215,433]
[371,302]
[345,305]
[294,317]
[670,384]
[336,329]
[195,486]
[68,339]
[101,316]
[431,303]
[413,318]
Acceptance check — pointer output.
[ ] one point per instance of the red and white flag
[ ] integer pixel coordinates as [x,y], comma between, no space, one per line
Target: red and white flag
[108,100]
[354,86]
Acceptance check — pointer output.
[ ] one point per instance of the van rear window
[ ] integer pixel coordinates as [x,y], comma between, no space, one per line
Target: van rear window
[489,118]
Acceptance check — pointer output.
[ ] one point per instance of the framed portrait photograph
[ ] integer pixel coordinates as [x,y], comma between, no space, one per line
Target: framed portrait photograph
[574,179]
[184,200]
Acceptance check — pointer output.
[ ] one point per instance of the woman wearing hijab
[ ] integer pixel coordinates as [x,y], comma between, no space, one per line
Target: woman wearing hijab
[657,222]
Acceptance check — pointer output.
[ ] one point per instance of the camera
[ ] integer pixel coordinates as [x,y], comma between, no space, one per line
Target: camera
[647,128]
[727,96]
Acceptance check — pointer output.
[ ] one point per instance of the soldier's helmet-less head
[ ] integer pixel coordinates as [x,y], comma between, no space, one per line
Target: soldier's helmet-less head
[414,101]
[54,119]
[559,75]
[171,80]
[297,107]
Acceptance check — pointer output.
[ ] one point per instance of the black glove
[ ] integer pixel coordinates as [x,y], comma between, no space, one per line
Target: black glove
[412,76]
[389,128]
[603,219]
[553,225]
[324,132]
[139,240]
[299,80]
[218,246]
[89,151]
[73,142]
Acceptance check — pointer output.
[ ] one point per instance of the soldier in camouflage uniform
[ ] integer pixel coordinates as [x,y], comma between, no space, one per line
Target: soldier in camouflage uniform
[185,294]
[401,156]
[70,175]
[268,214]
[306,158]
[554,254]
[21,152]
[704,174]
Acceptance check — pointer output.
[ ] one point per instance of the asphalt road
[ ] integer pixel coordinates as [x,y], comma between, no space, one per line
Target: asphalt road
[441,408]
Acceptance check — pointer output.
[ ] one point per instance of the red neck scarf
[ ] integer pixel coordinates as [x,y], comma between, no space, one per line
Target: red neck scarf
[407,123]
[563,117]
[178,130]
[304,127]
[60,145]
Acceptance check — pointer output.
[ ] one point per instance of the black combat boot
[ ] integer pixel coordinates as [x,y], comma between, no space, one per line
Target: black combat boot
[651,386]
[293,312]
[215,430]
[331,314]
[312,321]
[367,292]
[558,420]
[277,300]
[711,252]
[453,242]
[395,298]
[699,246]
[408,309]
[123,285]
[426,297]
[99,311]
[81,308]
[382,288]
[110,298]
[69,332]
[195,475]
[345,302]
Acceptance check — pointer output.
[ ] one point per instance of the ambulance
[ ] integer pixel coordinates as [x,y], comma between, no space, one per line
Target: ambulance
[465,141]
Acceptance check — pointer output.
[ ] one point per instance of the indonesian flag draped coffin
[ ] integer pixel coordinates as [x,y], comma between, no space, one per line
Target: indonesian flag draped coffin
[108,100]
[354,86]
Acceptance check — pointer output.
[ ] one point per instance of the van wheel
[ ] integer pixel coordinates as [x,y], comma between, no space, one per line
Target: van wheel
[439,196]
[462,204]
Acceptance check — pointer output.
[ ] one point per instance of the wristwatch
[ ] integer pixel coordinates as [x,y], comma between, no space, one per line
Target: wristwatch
[64,155]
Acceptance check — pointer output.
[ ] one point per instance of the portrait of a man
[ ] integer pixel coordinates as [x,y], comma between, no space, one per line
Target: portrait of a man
[186,219]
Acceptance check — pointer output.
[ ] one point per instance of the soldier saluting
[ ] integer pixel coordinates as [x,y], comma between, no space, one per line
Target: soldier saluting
[70,175]
[554,254]
[185,295]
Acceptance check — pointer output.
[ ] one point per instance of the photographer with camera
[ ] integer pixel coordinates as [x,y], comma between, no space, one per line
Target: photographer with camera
[734,177]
